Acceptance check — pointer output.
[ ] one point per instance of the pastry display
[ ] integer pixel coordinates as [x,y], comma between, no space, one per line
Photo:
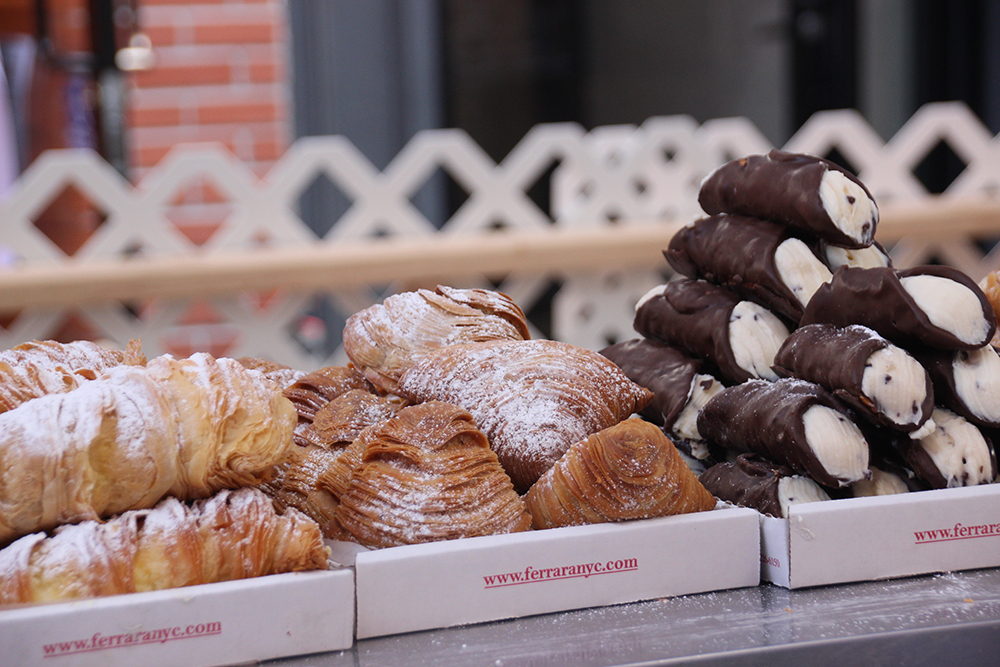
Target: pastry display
[789,421]
[680,387]
[710,322]
[280,374]
[802,191]
[232,535]
[533,399]
[339,422]
[314,390]
[427,474]
[385,340]
[39,368]
[180,427]
[751,480]
[300,482]
[628,471]
[881,381]
[935,306]
[834,256]
[965,381]
[758,259]
[956,453]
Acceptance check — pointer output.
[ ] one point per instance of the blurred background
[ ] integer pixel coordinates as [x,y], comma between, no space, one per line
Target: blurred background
[132,78]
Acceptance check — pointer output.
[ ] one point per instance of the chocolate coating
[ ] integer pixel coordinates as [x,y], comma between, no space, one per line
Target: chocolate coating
[767,418]
[693,316]
[749,481]
[876,299]
[940,365]
[737,252]
[660,368]
[835,358]
[779,186]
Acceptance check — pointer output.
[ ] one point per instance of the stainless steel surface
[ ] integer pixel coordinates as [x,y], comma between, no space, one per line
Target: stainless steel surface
[945,619]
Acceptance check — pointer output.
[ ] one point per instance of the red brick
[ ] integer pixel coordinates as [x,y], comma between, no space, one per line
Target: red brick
[239,113]
[195,75]
[235,33]
[148,157]
[145,117]
[265,72]
[161,36]
[269,150]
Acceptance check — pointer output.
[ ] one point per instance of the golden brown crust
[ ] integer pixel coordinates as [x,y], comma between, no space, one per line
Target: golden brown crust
[338,423]
[43,367]
[533,399]
[233,535]
[628,471]
[427,474]
[314,390]
[186,428]
[384,340]
[990,284]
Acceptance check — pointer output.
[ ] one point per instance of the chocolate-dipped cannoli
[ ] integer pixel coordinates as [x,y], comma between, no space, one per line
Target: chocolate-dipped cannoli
[965,381]
[834,256]
[758,259]
[956,453]
[880,380]
[711,322]
[761,484]
[790,421]
[936,306]
[681,385]
[890,472]
[801,191]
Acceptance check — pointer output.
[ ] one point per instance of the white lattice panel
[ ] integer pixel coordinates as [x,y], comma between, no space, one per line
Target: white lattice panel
[620,175]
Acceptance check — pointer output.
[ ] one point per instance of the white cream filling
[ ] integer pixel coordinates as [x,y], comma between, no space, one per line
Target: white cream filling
[755,334]
[949,305]
[703,387]
[651,294]
[796,490]
[924,430]
[865,258]
[958,450]
[896,384]
[799,269]
[848,206]
[882,483]
[837,443]
[977,381]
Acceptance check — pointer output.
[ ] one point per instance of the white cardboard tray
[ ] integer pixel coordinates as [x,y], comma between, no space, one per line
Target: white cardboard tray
[196,626]
[459,582]
[861,539]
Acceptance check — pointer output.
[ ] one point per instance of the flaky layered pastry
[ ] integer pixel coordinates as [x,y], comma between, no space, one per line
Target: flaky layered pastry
[180,427]
[301,481]
[314,390]
[280,374]
[427,474]
[339,422]
[628,471]
[232,535]
[384,340]
[533,399]
[46,367]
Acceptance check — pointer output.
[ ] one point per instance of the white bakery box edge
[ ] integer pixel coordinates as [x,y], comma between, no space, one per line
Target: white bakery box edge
[475,580]
[883,537]
[207,625]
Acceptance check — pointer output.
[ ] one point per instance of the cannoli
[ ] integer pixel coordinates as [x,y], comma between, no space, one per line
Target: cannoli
[834,256]
[711,322]
[801,191]
[880,380]
[758,259]
[965,381]
[956,453]
[679,385]
[936,306]
[790,421]
[754,481]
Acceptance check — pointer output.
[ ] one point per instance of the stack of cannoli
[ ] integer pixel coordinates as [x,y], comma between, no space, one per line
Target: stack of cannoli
[794,363]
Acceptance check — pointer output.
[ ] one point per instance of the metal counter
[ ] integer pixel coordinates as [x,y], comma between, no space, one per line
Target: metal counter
[940,620]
